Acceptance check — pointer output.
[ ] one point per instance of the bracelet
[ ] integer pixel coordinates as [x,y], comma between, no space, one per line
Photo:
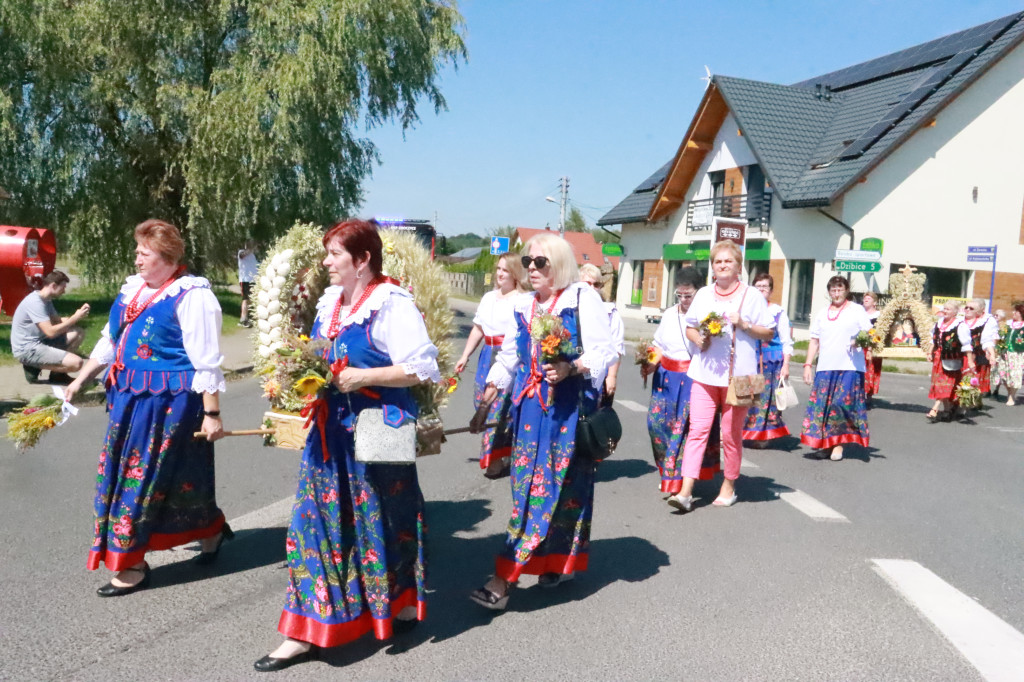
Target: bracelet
[211,413]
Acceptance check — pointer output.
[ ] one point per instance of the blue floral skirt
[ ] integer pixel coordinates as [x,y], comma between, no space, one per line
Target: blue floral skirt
[355,544]
[668,420]
[764,420]
[836,410]
[155,482]
[495,442]
[552,487]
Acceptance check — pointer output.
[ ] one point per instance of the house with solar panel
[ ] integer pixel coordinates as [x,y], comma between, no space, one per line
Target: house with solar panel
[916,154]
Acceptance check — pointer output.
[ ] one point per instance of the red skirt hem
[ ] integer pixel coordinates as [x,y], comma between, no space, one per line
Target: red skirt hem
[766,435]
[485,460]
[832,441]
[509,570]
[118,561]
[306,629]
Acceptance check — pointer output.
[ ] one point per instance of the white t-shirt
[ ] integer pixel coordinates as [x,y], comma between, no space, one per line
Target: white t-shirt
[247,267]
[618,328]
[670,337]
[494,315]
[711,367]
[836,351]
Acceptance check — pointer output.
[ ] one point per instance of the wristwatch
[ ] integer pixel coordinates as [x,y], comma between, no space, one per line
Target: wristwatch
[211,413]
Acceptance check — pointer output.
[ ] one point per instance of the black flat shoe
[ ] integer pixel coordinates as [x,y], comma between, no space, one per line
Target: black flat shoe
[31,374]
[207,558]
[269,664]
[401,626]
[112,590]
[489,600]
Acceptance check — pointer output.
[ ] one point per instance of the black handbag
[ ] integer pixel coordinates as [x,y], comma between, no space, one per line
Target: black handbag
[597,433]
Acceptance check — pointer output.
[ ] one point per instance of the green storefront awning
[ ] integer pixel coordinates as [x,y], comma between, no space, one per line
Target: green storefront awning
[758,249]
[612,250]
[695,251]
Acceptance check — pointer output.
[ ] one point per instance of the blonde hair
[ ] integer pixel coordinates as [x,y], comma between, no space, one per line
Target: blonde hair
[727,244]
[563,262]
[515,269]
[592,271]
[981,305]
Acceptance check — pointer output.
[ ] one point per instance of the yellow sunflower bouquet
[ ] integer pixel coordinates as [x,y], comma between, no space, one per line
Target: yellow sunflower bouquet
[712,325]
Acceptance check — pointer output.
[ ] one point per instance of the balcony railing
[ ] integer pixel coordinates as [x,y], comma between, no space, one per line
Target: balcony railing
[756,208]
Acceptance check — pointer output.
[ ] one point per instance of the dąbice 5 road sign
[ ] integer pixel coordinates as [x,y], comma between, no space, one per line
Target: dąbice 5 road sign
[858,266]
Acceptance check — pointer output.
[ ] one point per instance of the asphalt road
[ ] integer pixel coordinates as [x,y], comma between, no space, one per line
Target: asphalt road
[794,582]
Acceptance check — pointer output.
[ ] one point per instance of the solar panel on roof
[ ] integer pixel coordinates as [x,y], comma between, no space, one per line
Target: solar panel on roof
[655,180]
[971,45]
[915,57]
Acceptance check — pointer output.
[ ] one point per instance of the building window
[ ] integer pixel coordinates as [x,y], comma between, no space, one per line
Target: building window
[586,256]
[801,277]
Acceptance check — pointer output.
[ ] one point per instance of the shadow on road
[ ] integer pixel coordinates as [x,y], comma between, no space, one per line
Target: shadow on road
[250,549]
[882,404]
[612,469]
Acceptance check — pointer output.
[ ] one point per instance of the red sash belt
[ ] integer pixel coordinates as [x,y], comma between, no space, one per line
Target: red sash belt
[317,412]
[493,340]
[671,365]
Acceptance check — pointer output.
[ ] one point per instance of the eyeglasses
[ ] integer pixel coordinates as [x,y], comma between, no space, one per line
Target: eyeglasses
[596,285]
[540,261]
[683,297]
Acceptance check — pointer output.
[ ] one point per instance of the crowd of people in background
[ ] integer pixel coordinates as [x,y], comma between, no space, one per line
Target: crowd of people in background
[356,545]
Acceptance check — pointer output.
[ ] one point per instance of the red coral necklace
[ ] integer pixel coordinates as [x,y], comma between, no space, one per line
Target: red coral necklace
[828,313]
[134,308]
[335,327]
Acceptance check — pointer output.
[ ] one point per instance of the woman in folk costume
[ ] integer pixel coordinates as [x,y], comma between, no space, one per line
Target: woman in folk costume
[590,274]
[552,483]
[950,341]
[155,484]
[668,413]
[1011,361]
[764,420]
[493,317]
[837,410]
[872,363]
[355,545]
[984,332]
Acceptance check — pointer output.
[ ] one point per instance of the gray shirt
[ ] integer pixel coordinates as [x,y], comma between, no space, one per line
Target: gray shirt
[25,331]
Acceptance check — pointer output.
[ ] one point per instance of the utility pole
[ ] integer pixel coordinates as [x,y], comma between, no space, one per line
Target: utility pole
[564,183]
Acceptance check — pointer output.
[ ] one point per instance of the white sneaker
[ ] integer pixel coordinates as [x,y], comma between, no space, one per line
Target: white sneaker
[682,503]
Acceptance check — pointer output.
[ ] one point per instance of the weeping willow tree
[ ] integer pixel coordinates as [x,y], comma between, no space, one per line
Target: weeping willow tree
[228,118]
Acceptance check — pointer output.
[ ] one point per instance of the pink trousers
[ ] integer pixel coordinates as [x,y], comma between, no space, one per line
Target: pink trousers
[704,402]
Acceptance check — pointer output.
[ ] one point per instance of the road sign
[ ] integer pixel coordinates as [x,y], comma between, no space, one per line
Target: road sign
[499,245]
[858,266]
[990,250]
[980,258]
[851,254]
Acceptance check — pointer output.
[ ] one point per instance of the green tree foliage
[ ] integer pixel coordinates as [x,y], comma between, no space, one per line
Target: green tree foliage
[575,222]
[228,118]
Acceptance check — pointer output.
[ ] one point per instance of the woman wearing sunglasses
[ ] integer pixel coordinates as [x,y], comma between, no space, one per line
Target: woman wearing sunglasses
[984,334]
[950,340]
[552,486]
[492,317]
[590,275]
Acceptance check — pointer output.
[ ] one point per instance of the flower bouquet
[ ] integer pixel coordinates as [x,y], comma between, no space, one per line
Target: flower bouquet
[712,325]
[553,340]
[867,339]
[967,392]
[26,426]
[645,355]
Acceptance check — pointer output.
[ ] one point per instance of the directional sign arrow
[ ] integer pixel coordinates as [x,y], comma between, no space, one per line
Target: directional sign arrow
[858,266]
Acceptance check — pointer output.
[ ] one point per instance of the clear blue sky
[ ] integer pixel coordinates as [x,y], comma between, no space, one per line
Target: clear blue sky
[603,92]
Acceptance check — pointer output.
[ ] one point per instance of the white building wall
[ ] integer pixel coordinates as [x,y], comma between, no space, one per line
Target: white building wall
[920,199]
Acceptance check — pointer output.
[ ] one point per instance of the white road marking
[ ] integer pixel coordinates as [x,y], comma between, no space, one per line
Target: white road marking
[632,405]
[818,511]
[274,514]
[991,645]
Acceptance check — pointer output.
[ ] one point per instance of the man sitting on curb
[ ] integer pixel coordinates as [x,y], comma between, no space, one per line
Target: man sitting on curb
[42,339]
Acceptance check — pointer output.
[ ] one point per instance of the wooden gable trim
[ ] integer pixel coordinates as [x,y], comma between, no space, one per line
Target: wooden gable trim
[699,140]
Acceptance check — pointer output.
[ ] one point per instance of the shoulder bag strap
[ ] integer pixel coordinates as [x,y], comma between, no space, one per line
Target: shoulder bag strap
[579,330]
[732,350]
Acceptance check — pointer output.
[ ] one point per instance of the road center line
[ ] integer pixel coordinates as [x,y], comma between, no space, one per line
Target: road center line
[803,502]
[990,644]
[632,405]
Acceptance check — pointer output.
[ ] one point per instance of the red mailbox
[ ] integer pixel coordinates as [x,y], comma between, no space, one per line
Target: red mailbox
[27,254]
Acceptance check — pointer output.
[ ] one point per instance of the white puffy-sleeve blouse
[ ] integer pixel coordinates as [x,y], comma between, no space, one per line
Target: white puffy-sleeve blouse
[599,352]
[200,318]
[670,336]
[398,329]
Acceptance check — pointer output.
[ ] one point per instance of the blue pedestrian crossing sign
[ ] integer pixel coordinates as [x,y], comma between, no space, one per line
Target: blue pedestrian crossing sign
[499,245]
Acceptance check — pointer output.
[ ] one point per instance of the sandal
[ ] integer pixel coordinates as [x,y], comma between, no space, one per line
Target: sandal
[933,414]
[488,599]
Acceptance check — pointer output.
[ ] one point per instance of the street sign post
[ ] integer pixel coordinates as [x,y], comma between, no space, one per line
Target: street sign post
[499,245]
[852,254]
[858,266]
[985,254]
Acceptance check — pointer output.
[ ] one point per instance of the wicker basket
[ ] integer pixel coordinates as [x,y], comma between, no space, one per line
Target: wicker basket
[291,430]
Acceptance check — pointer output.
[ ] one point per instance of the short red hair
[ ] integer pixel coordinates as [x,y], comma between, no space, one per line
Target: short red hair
[359,238]
[163,238]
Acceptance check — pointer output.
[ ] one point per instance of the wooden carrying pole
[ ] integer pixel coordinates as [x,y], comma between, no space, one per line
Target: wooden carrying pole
[271,432]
